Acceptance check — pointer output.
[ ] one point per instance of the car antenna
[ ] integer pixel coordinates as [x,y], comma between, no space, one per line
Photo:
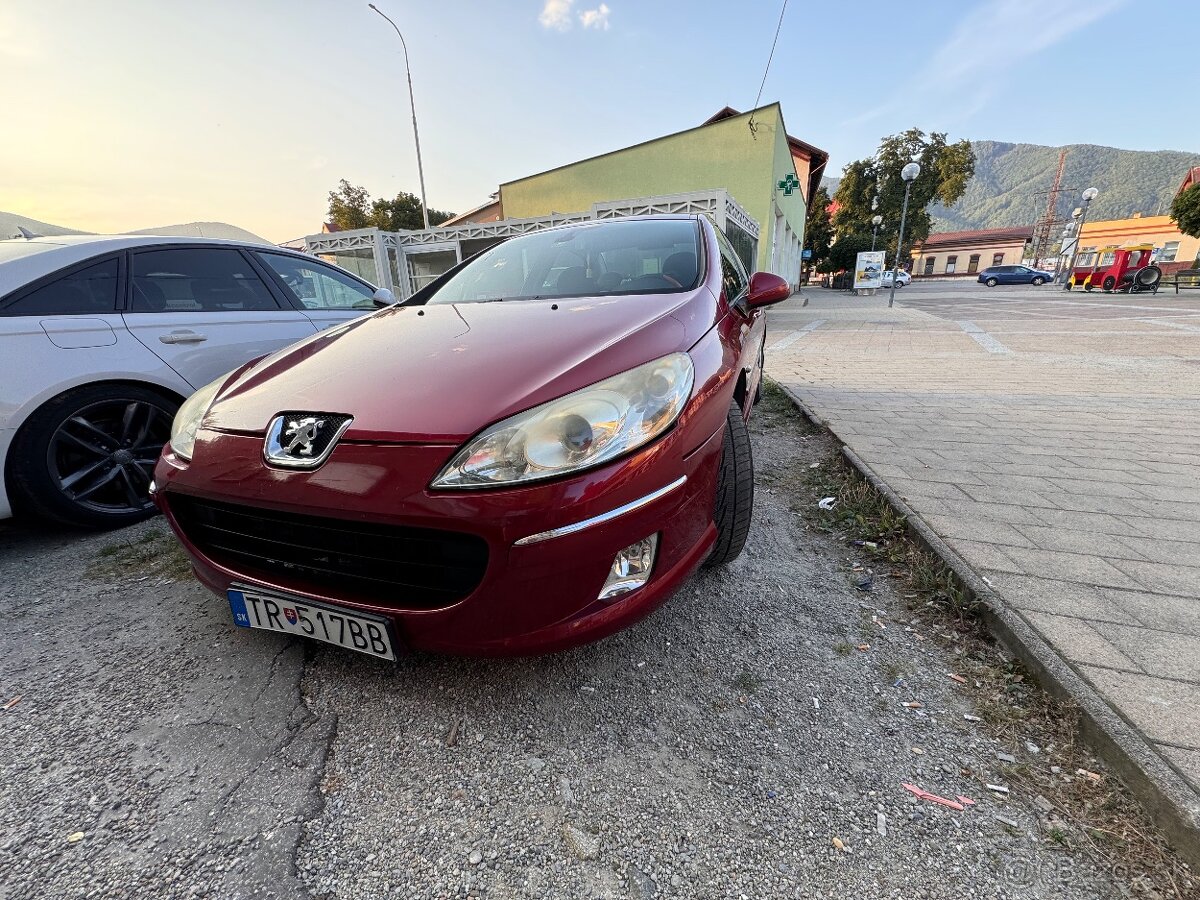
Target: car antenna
[27,234]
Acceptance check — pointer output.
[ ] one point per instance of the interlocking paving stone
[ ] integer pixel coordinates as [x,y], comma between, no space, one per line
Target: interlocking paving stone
[1064,467]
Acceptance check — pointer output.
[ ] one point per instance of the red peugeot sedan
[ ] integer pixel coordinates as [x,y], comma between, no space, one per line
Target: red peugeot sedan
[534,451]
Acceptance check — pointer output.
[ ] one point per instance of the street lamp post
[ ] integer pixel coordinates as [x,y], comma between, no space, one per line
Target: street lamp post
[1088,196]
[876,221]
[1068,230]
[413,106]
[909,173]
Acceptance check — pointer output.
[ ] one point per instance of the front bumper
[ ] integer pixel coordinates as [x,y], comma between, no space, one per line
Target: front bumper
[537,594]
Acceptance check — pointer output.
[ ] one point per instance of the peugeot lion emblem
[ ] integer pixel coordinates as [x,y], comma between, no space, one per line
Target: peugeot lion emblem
[303,440]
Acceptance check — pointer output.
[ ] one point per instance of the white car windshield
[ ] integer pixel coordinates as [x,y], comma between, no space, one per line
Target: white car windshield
[595,259]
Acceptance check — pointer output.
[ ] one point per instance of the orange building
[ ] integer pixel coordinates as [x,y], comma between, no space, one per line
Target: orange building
[1174,250]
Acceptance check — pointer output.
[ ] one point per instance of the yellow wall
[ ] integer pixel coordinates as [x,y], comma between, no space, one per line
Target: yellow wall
[1156,230]
[725,154]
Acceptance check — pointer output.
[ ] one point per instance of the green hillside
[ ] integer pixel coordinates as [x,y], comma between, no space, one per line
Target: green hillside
[1008,176]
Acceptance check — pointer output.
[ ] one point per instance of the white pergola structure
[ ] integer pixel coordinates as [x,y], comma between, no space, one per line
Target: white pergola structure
[405,261]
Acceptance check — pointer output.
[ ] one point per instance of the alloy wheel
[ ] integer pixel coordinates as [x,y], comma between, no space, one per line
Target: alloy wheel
[102,456]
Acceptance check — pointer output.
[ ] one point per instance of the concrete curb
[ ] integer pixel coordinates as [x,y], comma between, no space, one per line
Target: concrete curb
[1170,802]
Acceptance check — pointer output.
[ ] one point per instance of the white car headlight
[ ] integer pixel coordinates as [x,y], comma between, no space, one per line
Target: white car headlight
[187,420]
[578,431]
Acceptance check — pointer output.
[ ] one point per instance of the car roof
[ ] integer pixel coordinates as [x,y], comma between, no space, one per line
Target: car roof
[23,260]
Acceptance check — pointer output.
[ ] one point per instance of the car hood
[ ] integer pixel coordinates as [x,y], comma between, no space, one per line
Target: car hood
[438,374]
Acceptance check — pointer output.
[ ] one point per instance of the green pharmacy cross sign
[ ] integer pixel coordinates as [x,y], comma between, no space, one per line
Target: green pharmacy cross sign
[788,184]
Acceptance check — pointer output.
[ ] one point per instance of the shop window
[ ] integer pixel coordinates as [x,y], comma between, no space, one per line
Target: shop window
[973,265]
[929,261]
[951,264]
[997,259]
[1168,252]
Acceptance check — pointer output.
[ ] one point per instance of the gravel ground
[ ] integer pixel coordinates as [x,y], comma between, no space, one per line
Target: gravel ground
[715,750]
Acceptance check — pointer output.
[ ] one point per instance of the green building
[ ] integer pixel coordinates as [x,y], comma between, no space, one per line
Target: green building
[742,170]
[750,155]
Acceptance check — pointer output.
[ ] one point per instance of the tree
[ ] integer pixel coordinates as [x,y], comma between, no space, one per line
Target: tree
[818,228]
[404,213]
[1185,211]
[945,171]
[844,252]
[350,206]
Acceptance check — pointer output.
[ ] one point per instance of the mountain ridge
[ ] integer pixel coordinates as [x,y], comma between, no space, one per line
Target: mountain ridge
[1009,176]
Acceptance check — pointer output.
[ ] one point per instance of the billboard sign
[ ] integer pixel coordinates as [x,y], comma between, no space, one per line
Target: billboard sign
[868,270]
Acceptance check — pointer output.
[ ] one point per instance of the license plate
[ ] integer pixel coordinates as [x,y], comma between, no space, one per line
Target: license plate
[291,615]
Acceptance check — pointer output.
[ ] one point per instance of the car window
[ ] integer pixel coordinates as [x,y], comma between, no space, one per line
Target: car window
[734,281]
[593,259]
[317,286]
[92,290]
[201,279]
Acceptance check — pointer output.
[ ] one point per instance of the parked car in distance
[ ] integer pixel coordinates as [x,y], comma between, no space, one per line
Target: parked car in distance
[558,443]
[101,339]
[994,275]
[902,278]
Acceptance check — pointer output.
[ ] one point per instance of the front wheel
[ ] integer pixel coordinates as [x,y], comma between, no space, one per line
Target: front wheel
[1039,281]
[992,282]
[87,456]
[1109,284]
[735,491]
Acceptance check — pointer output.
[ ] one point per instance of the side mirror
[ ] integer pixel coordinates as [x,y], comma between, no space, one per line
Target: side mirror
[383,297]
[766,289]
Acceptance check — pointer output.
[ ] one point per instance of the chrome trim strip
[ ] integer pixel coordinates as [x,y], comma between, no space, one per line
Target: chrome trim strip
[603,517]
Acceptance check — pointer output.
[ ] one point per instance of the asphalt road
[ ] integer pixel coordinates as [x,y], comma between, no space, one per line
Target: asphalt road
[717,749]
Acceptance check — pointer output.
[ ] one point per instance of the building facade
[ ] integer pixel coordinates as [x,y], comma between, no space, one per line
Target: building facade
[742,170]
[1174,250]
[959,253]
[769,173]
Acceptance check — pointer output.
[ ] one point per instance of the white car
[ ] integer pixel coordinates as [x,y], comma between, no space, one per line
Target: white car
[902,278]
[101,339]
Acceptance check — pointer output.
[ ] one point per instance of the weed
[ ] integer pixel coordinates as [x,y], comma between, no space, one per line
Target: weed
[841,648]
[155,553]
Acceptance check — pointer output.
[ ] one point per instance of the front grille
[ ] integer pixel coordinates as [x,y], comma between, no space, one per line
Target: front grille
[388,564]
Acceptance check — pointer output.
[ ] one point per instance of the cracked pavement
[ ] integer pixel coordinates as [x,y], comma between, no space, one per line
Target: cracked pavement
[714,750]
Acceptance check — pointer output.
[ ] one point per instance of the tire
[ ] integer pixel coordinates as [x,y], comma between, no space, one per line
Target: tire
[735,491]
[1039,281]
[992,282]
[1109,284]
[105,437]
[1089,287]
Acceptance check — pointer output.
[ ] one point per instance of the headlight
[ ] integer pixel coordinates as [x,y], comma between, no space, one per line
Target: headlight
[187,420]
[578,431]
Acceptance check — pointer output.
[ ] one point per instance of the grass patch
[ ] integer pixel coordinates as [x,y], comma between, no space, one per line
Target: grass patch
[154,553]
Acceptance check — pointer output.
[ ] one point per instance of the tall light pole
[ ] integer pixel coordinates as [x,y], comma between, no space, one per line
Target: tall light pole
[1088,196]
[909,173]
[876,221]
[413,106]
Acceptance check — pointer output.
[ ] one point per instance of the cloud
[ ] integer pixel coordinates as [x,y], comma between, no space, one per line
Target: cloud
[595,18]
[556,15]
[962,74]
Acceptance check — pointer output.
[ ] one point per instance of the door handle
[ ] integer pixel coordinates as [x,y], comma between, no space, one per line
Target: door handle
[182,337]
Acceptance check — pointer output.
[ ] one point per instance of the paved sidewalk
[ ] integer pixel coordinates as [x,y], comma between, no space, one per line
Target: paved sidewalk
[1053,441]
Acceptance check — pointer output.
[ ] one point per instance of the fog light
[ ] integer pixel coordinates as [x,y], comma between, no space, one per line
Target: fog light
[631,568]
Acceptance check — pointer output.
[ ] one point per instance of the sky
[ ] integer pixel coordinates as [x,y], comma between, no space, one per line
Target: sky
[136,113]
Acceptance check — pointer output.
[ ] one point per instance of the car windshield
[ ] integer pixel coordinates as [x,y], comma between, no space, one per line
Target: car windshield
[647,256]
